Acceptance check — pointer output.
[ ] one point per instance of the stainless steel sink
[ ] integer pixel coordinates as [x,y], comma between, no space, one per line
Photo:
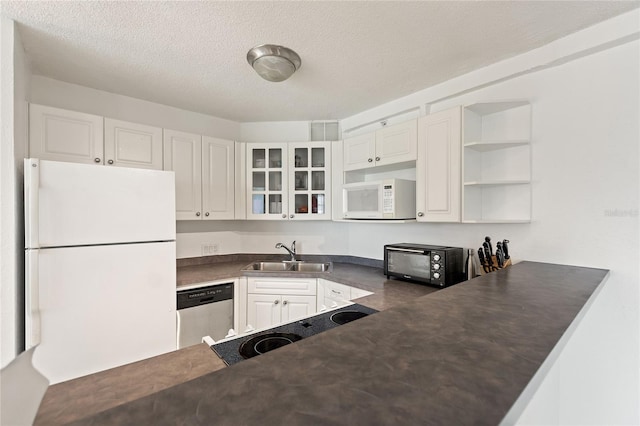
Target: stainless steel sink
[268,266]
[289,266]
[311,267]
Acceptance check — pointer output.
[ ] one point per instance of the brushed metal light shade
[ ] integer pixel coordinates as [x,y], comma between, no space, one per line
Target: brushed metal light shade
[274,63]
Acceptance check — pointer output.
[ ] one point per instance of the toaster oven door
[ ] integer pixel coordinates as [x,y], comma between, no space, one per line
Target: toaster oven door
[411,265]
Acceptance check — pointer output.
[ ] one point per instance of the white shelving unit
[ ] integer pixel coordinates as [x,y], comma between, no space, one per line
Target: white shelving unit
[497,162]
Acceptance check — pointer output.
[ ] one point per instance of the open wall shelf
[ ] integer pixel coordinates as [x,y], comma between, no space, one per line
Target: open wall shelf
[497,162]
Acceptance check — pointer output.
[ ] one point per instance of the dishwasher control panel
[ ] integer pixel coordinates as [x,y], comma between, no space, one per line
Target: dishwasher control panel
[204,295]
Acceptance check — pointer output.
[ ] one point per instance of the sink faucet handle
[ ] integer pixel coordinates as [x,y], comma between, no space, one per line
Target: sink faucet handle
[293,247]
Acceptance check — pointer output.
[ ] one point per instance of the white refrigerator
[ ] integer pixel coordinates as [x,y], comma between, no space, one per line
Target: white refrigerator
[100,266]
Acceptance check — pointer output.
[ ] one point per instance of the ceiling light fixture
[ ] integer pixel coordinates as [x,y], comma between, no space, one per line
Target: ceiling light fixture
[274,63]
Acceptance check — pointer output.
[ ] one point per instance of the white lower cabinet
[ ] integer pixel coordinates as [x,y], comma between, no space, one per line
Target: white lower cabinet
[268,310]
[334,295]
[272,301]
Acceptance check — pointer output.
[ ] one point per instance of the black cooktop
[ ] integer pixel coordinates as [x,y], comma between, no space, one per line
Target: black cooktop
[240,348]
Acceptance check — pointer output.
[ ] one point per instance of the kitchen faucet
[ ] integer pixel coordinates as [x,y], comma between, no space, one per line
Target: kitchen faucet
[292,250]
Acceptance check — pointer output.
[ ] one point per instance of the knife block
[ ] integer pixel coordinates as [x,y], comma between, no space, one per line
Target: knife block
[495,265]
[495,262]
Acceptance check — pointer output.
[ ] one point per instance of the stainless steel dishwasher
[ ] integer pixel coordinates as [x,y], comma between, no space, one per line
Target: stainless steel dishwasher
[204,311]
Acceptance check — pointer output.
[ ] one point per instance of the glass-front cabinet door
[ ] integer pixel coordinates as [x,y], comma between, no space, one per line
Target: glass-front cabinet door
[267,181]
[310,181]
[289,181]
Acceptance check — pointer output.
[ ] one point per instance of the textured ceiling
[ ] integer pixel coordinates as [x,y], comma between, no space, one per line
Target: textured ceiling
[355,55]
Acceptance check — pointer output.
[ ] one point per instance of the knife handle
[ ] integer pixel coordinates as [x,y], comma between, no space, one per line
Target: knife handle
[487,253]
[483,261]
[499,257]
[505,248]
[487,240]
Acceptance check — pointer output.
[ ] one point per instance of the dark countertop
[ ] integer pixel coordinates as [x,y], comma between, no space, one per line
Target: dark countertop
[74,399]
[386,293]
[85,396]
[462,355]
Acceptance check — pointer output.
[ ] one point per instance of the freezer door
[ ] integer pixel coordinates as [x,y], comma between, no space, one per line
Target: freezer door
[69,204]
[100,307]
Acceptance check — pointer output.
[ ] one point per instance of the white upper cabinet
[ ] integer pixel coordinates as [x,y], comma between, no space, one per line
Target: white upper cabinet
[389,145]
[61,135]
[267,195]
[205,175]
[132,145]
[310,181]
[218,178]
[438,167]
[359,152]
[182,155]
[288,181]
[397,143]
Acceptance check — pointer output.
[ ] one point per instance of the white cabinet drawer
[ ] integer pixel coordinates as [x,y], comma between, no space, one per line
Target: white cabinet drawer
[332,295]
[337,291]
[304,286]
[357,293]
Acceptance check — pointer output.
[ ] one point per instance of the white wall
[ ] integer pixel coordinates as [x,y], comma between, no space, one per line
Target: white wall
[47,91]
[585,211]
[275,131]
[261,237]
[14,88]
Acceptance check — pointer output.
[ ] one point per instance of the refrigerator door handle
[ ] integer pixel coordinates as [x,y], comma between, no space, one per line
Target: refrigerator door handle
[32,297]
[31,207]
[177,329]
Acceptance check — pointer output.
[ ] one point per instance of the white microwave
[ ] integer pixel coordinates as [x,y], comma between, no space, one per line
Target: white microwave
[383,199]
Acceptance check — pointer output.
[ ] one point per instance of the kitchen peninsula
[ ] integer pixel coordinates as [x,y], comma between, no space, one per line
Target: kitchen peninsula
[470,354]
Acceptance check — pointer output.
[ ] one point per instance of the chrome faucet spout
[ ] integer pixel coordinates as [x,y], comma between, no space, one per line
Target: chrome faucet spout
[292,250]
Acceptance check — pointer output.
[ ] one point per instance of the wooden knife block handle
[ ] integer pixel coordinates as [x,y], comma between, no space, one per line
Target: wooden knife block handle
[495,262]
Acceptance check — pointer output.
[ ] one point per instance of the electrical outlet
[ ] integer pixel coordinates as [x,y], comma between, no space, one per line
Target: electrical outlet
[210,249]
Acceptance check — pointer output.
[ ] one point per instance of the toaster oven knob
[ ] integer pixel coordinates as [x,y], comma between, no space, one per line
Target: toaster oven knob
[436,257]
[436,275]
[436,266]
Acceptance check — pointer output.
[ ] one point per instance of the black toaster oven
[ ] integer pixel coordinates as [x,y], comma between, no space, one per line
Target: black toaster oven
[434,265]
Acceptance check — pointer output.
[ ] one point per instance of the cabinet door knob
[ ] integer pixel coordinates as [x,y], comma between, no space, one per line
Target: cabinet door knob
[420,214]
[370,160]
[275,302]
[284,302]
[284,216]
[197,213]
[377,158]
[291,217]
[110,161]
[206,214]
[97,160]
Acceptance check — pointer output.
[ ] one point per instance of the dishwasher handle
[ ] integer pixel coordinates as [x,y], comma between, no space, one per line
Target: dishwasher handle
[204,295]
